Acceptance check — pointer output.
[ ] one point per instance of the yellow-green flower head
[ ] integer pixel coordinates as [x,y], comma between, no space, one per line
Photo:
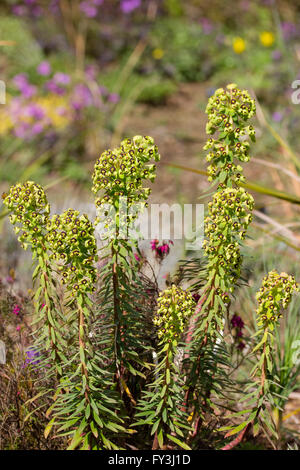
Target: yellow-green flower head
[274,295]
[29,212]
[72,241]
[229,215]
[122,171]
[175,306]
[228,110]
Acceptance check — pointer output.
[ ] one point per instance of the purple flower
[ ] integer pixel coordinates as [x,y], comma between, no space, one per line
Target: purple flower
[82,97]
[20,131]
[31,357]
[277,116]
[196,297]
[54,88]
[91,71]
[207,26]
[127,6]
[20,80]
[61,78]
[29,8]
[19,10]
[54,7]
[88,9]
[276,55]
[44,68]
[289,30]
[114,98]
[26,89]
[34,111]
[36,129]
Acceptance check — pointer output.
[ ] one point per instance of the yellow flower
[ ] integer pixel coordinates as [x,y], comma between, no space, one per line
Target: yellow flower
[267,38]
[238,45]
[6,123]
[157,53]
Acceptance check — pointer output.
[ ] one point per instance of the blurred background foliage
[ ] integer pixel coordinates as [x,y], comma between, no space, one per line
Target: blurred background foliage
[76,70]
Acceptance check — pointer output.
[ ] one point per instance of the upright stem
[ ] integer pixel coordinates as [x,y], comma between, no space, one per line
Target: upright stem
[117,322]
[82,345]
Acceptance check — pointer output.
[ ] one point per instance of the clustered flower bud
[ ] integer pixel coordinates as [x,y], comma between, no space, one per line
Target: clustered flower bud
[175,306]
[228,110]
[121,171]
[229,215]
[274,294]
[29,213]
[72,241]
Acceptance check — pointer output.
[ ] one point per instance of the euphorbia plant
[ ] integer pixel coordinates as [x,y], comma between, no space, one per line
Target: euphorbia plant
[29,214]
[229,215]
[118,180]
[116,358]
[274,295]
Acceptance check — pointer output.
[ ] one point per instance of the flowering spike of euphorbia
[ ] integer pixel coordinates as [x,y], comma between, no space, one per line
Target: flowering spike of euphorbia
[274,294]
[229,215]
[159,405]
[228,110]
[29,212]
[71,237]
[175,306]
[121,171]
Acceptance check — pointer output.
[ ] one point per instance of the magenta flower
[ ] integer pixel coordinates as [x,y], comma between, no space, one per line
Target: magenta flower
[16,309]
